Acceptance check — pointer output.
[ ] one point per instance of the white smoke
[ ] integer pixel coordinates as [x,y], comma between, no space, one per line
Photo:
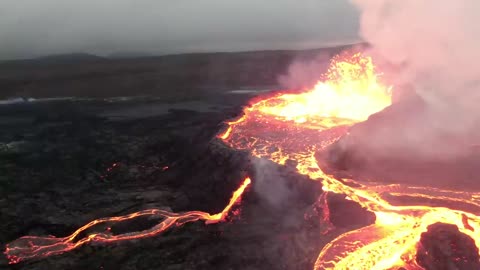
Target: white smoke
[269,184]
[434,47]
[305,73]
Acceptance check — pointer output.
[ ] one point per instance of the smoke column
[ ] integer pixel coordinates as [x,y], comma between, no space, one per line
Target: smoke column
[434,47]
[435,44]
[270,185]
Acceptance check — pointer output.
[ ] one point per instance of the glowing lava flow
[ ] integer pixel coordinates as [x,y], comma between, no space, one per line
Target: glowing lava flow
[29,247]
[292,127]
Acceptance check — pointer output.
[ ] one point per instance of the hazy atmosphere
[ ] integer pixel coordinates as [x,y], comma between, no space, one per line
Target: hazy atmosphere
[36,28]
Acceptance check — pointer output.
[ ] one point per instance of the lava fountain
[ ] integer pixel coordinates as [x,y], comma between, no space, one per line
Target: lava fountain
[290,126]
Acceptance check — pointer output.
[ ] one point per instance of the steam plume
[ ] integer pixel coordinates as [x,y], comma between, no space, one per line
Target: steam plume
[432,46]
[270,184]
[304,74]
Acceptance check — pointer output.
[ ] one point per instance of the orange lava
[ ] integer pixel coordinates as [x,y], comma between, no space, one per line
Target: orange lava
[293,126]
[29,247]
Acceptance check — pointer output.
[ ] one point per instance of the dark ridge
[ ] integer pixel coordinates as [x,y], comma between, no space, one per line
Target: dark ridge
[55,59]
[184,76]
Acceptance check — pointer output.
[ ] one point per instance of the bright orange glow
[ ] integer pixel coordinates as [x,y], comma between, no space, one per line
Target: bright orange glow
[293,127]
[351,93]
[233,200]
[289,128]
[29,247]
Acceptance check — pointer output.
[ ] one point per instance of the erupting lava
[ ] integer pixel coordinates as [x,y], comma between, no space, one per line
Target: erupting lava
[29,247]
[293,126]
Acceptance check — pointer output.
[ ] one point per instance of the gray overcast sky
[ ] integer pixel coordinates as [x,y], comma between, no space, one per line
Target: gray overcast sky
[31,28]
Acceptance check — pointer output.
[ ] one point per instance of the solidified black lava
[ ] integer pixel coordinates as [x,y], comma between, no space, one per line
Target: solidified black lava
[345,213]
[70,167]
[444,247]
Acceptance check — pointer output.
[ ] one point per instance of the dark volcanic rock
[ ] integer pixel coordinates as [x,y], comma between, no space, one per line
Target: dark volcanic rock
[347,214]
[72,166]
[184,76]
[444,247]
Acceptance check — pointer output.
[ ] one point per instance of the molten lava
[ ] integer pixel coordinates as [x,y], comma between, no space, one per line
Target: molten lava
[337,99]
[293,126]
[29,247]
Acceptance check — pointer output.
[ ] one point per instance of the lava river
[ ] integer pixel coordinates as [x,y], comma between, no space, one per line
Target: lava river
[294,126]
[291,127]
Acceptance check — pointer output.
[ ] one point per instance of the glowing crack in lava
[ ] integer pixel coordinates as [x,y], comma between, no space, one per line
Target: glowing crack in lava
[293,126]
[29,247]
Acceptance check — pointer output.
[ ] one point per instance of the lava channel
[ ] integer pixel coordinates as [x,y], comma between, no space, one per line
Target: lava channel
[30,247]
[291,126]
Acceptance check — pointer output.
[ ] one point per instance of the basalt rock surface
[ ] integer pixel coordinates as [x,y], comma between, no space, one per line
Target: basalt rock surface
[63,164]
[444,247]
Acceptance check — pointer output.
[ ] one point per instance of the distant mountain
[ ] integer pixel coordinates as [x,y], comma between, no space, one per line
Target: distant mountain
[57,59]
[70,57]
[124,55]
[169,76]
